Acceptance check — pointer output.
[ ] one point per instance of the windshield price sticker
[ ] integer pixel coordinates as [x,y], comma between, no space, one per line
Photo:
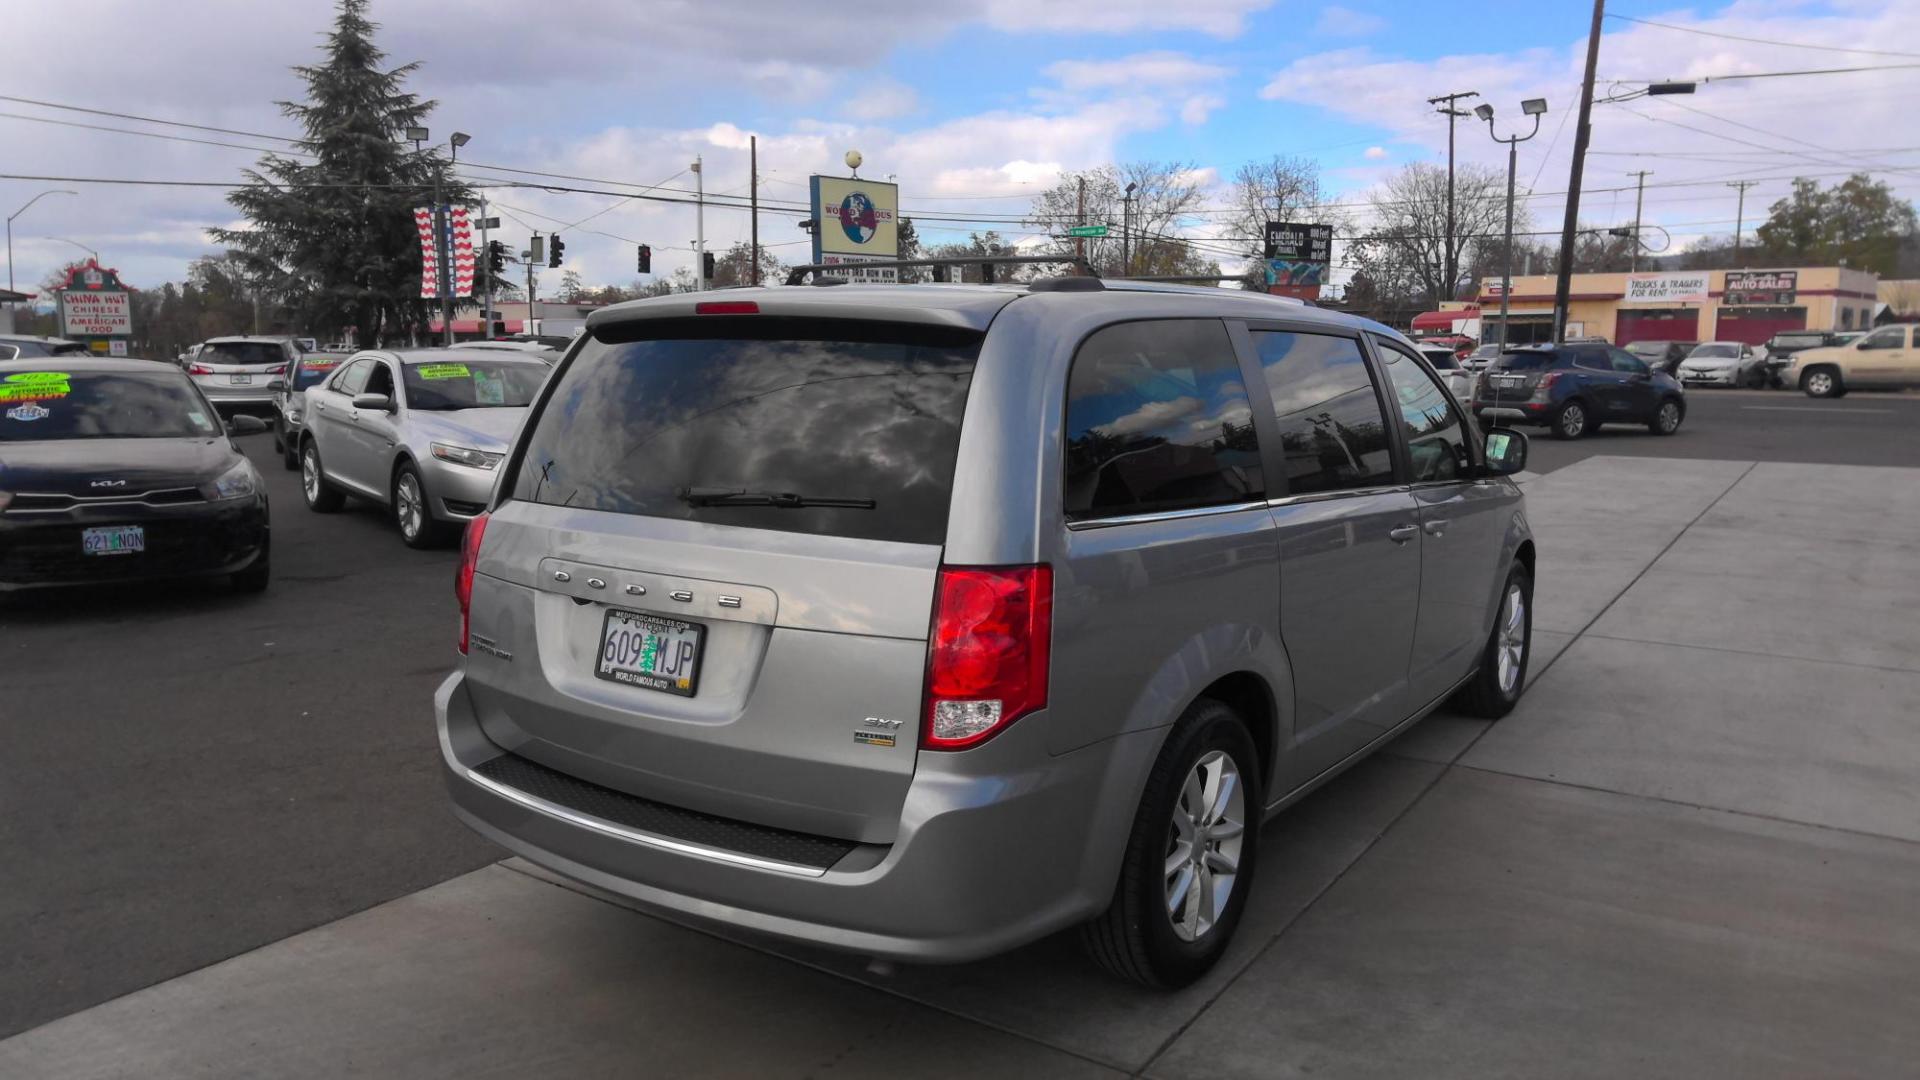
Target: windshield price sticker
[444,371]
[34,386]
[489,389]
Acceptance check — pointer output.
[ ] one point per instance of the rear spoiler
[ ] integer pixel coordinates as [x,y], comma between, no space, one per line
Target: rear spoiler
[942,268]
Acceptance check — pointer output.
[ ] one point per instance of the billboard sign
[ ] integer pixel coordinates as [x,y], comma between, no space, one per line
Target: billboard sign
[95,314]
[1761,288]
[848,267]
[1295,242]
[1689,287]
[855,217]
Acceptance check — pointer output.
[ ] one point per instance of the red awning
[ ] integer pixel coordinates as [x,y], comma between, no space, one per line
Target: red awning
[1440,320]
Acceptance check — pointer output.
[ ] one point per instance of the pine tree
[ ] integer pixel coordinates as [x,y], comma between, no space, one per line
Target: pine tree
[332,239]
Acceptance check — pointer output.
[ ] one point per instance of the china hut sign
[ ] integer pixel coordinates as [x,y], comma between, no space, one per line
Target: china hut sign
[94,304]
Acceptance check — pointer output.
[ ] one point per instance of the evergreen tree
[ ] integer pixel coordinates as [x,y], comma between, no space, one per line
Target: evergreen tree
[333,239]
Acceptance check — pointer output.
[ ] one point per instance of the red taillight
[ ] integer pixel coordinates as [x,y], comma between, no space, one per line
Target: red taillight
[278,369]
[199,369]
[727,307]
[463,577]
[1546,382]
[987,657]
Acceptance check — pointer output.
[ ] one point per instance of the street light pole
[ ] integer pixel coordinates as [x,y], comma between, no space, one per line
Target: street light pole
[1126,230]
[699,227]
[17,213]
[1639,191]
[75,243]
[1533,107]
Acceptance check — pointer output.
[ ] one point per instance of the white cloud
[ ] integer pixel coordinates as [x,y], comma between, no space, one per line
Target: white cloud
[1376,153]
[1153,416]
[1198,107]
[1220,18]
[1337,21]
[880,99]
[1141,70]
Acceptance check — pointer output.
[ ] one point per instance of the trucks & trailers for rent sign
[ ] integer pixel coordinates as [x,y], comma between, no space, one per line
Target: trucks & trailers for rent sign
[1682,288]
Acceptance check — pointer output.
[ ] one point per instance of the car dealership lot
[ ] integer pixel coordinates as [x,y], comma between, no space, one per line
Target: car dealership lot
[1690,851]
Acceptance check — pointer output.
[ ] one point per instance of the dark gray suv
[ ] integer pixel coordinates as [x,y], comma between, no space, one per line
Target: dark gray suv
[923,621]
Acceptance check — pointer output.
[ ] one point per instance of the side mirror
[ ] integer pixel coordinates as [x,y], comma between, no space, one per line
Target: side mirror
[1506,451]
[277,386]
[243,424]
[375,402]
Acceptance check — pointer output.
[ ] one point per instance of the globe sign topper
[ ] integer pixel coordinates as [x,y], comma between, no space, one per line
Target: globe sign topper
[858,218]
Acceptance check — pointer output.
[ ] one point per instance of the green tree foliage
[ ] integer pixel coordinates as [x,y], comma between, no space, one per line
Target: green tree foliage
[333,237]
[1858,222]
[735,267]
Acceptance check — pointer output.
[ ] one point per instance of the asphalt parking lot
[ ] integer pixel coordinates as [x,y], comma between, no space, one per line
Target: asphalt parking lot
[1692,851]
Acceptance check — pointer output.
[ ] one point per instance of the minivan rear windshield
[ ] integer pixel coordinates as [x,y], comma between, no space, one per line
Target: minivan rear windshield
[1531,360]
[720,420]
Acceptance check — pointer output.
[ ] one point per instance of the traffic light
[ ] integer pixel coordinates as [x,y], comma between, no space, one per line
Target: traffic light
[706,265]
[496,256]
[646,259]
[555,249]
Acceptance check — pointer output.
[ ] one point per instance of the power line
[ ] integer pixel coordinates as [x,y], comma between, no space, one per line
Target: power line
[143,134]
[1758,41]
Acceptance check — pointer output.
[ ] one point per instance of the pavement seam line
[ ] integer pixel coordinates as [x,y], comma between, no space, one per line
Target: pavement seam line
[1557,782]
[814,966]
[1761,655]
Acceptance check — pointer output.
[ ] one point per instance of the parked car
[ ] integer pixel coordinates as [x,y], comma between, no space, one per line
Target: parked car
[1885,359]
[923,622]
[1723,363]
[289,393]
[419,432]
[120,470]
[1573,389]
[21,346]
[1458,380]
[1662,355]
[233,372]
[1480,357]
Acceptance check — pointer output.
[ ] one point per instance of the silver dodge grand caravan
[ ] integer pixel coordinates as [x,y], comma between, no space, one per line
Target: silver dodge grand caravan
[922,621]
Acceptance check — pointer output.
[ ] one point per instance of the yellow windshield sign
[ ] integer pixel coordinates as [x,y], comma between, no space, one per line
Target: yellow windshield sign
[443,371]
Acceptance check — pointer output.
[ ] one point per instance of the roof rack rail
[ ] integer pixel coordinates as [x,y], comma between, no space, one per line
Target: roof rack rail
[798,275]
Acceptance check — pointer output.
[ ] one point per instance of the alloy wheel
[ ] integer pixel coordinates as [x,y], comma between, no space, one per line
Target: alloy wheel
[1669,417]
[1573,420]
[310,474]
[1203,845]
[407,505]
[1511,650]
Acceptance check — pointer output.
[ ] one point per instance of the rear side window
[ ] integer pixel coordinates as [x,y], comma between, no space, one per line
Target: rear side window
[1332,431]
[1530,360]
[815,426]
[1158,419]
[352,379]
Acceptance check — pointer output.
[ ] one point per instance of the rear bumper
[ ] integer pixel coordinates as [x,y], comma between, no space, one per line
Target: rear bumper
[1514,412]
[44,550]
[1710,378]
[982,862]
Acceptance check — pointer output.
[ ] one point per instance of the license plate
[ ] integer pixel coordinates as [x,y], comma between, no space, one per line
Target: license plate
[113,540]
[1507,380]
[652,651]
[240,380]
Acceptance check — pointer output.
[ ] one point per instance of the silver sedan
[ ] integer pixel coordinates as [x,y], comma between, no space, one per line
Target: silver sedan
[419,432]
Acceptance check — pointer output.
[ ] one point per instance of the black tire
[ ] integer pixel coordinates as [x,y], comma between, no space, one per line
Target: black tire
[322,497]
[1822,382]
[1668,417]
[1135,937]
[1571,420]
[255,577]
[1486,695]
[420,531]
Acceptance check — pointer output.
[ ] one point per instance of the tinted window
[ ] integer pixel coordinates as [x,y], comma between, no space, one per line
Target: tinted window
[98,405]
[352,379]
[473,384]
[8,352]
[1436,437]
[1893,337]
[1158,419]
[759,405]
[313,370]
[1332,432]
[243,352]
[1626,363]
[1717,350]
[1528,360]
[1441,359]
[379,379]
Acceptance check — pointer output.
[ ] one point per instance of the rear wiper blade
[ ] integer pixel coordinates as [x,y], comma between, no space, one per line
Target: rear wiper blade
[785,500]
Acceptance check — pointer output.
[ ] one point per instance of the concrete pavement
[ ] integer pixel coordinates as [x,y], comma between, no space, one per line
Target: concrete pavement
[1692,851]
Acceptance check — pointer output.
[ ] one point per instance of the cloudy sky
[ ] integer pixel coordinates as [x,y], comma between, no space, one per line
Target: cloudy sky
[972,104]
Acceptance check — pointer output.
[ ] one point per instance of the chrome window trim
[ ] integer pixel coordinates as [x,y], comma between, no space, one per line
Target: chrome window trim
[638,836]
[1339,493]
[1164,515]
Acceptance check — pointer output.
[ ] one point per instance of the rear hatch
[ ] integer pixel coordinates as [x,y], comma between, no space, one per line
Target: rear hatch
[714,560]
[1514,376]
[238,364]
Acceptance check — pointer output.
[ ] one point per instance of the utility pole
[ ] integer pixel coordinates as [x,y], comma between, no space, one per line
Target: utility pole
[699,227]
[1450,263]
[753,198]
[1126,231]
[1740,215]
[1080,218]
[531,255]
[1640,189]
[483,271]
[1563,286]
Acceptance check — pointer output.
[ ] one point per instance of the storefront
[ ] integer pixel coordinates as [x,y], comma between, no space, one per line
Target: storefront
[1692,305]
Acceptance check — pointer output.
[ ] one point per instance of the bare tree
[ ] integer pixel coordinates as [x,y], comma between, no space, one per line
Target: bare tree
[1277,189]
[1164,193]
[1404,251]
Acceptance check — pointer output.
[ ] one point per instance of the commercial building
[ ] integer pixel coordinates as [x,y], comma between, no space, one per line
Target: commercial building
[1687,305]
